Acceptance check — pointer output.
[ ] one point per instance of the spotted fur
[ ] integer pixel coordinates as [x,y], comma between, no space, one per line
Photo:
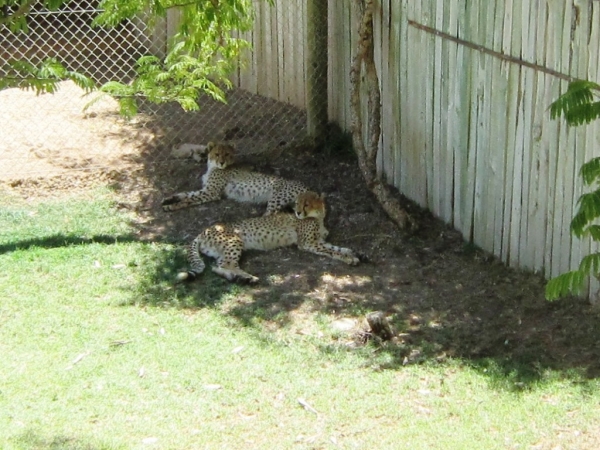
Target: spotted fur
[226,242]
[244,186]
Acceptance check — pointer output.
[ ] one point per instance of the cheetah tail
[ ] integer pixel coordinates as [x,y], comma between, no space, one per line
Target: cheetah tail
[196,262]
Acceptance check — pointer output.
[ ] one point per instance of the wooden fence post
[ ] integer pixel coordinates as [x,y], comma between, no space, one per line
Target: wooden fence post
[316,70]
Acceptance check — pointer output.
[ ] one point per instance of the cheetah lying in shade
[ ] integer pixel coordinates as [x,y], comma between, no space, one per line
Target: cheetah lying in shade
[244,186]
[226,242]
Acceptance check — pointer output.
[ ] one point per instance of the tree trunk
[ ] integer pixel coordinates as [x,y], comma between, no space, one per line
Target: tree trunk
[367,155]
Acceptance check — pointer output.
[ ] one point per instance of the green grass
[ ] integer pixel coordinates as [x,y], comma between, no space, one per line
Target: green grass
[99,350]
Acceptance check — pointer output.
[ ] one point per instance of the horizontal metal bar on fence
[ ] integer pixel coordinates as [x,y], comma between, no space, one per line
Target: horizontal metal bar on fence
[65,11]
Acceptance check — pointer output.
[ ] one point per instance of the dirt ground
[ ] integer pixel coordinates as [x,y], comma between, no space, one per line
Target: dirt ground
[445,297]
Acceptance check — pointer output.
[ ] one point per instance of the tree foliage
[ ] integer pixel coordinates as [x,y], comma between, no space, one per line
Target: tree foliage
[43,78]
[578,107]
[583,225]
[201,54]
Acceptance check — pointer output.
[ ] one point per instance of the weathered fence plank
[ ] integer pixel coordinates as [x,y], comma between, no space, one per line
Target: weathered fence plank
[401,179]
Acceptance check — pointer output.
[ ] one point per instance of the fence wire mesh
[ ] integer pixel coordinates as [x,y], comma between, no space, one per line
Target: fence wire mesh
[51,134]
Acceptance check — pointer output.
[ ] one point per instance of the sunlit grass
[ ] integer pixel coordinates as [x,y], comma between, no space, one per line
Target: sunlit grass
[100,350]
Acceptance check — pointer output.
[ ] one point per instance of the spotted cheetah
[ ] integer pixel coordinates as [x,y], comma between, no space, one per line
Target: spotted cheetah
[237,184]
[226,242]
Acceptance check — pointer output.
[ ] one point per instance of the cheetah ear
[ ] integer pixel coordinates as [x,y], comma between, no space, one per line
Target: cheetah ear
[210,146]
[322,196]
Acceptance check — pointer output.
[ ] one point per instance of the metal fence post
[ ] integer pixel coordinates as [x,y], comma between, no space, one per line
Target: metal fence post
[316,70]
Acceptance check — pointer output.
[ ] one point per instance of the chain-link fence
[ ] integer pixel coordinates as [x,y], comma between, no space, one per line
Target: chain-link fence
[52,134]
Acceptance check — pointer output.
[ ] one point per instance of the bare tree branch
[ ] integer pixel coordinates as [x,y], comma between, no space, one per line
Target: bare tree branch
[367,156]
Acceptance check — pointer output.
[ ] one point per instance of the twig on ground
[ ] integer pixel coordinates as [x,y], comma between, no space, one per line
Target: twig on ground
[307,406]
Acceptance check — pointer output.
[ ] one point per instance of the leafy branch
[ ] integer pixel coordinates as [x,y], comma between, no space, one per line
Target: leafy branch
[578,106]
[201,56]
[15,20]
[42,79]
[13,13]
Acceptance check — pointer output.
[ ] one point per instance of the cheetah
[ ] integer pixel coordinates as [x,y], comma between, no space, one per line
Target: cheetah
[237,184]
[197,152]
[226,242]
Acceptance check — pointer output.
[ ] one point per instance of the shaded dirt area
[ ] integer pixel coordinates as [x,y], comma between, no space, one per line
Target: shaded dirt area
[444,297]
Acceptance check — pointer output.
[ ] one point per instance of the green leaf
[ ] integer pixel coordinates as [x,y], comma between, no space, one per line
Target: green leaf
[565,284]
[577,105]
[594,232]
[590,264]
[82,81]
[590,171]
[128,107]
[24,67]
[94,100]
[188,104]
[116,89]
[589,210]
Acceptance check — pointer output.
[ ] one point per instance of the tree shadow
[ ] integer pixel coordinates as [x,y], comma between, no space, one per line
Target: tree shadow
[66,240]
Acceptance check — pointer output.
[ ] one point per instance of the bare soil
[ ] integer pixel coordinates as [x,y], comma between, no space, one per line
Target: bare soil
[445,298]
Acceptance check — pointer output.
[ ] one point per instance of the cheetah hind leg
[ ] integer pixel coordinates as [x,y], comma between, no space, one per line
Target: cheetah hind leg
[228,265]
[235,274]
[195,260]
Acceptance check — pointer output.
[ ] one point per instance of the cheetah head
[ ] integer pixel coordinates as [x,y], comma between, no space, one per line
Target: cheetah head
[220,156]
[310,204]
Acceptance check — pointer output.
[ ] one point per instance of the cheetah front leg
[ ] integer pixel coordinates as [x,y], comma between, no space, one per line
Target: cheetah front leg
[187,199]
[211,192]
[332,251]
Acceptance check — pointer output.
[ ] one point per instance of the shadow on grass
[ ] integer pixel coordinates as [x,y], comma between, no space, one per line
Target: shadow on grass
[158,287]
[65,240]
[32,440]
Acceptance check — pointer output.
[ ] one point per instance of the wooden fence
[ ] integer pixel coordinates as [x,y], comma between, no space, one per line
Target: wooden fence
[466,130]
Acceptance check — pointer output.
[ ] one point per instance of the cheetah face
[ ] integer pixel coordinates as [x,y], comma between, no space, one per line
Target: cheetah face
[309,204]
[220,156]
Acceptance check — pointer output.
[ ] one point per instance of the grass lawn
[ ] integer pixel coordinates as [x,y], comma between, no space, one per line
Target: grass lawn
[99,350]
